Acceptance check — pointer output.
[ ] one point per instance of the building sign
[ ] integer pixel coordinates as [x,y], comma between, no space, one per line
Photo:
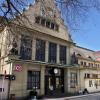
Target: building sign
[18,68]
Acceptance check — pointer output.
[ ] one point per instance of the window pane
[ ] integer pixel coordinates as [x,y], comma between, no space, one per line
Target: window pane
[52,52]
[40,50]
[43,22]
[33,80]
[26,47]
[73,80]
[48,24]
[62,54]
[37,20]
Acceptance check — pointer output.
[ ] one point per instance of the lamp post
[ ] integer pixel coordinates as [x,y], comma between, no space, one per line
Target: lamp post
[9,83]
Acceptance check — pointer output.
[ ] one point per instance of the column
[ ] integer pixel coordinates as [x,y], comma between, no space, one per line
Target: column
[68,55]
[57,57]
[46,51]
[68,76]
[65,81]
[78,79]
[33,48]
[42,82]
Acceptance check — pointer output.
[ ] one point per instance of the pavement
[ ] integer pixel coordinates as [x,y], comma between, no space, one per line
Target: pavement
[80,97]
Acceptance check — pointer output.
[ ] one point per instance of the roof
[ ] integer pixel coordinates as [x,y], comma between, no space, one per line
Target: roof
[97,55]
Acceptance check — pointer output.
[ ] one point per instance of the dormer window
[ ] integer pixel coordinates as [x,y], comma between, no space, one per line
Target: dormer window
[43,21]
[79,55]
[89,57]
[47,23]
[37,20]
[52,25]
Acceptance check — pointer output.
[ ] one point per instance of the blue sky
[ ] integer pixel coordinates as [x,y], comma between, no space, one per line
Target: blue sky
[88,35]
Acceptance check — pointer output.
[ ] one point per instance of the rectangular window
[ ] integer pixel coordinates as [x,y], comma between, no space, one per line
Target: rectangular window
[40,50]
[62,54]
[73,80]
[56,27]
[1,89]
[48,24]
[90,83]
[37,20]
[52,26]
[81,62]
[43,21]
[88,75]
[33,80]
[26,47]
[52,52]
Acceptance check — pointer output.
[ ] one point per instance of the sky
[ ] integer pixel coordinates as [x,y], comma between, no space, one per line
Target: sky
[88,33]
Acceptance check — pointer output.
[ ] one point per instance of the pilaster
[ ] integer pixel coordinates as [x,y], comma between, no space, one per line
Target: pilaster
[42,84]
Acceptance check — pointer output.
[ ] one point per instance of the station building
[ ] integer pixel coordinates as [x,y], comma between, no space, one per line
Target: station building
[40,54]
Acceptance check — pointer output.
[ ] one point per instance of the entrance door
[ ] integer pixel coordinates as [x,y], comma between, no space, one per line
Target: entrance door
[54,84]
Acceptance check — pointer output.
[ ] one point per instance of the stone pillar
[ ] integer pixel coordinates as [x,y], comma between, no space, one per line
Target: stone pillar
[68,55]
[33,49]
[65,81]
[58,51]
[42,82]
[46,51]
[68,76]
[78,79]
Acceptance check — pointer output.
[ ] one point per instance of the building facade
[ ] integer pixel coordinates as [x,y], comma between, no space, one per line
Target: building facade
[40,54]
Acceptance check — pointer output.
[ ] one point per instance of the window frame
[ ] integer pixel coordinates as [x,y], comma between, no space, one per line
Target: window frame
[26,47]
[52,55]
[40,53]
[62,54]
[32,82]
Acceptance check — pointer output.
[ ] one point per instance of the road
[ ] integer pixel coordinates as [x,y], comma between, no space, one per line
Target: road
[95,96]
[88,97]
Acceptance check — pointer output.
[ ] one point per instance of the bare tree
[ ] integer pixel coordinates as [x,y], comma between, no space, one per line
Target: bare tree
[72,10]
[75,11]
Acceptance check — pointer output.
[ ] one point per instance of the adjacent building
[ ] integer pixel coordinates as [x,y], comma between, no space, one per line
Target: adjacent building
[40,54]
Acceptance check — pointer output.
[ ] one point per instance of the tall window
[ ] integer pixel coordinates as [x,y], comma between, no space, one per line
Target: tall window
[26,47]
[33,80]
[40,50]
[52,52]
[73,80]
[62,54]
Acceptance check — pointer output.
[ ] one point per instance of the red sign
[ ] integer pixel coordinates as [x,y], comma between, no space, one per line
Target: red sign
[18,68]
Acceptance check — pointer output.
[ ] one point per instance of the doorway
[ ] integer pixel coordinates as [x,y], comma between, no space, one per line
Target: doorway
[54,82]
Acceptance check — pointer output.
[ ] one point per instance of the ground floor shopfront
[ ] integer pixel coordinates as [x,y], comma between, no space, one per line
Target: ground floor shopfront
[46,79]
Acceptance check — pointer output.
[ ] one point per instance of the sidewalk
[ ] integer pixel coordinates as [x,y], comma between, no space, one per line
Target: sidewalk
[68,98]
